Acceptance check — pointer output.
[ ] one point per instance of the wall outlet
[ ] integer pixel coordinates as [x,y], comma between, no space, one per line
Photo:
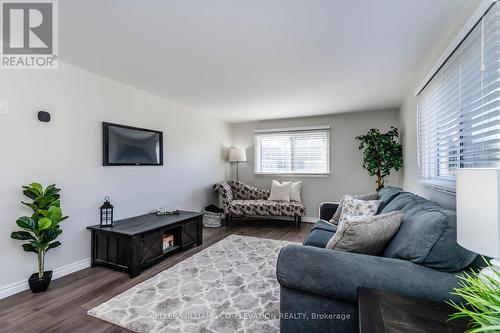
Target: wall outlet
[4,107]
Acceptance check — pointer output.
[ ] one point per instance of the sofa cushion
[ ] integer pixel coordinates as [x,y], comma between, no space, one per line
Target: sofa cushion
[364,196]
[266,208]
[280,191]
[242,191]
[403,201]
[356,207]
[324,225]
[295,191]
[318,238]
[386,195]
[365,234]
[427,235]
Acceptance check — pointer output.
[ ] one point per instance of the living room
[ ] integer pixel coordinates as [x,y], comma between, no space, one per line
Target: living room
[259,166]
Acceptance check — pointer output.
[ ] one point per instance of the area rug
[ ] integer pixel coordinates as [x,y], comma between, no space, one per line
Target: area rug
[230,286]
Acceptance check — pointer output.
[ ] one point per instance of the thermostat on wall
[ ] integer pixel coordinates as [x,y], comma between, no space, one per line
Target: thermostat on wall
[4,107]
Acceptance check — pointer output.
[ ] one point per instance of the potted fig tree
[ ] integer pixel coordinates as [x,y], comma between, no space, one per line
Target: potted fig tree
[40,230]
[382,153]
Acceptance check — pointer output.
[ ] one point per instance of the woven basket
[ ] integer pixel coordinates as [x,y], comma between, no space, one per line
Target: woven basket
[212,220]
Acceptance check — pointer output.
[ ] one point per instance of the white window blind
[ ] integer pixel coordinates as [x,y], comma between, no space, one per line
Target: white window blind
[298,151]
[459,109]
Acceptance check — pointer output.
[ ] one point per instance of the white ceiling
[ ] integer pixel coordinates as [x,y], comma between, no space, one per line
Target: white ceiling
[258,59]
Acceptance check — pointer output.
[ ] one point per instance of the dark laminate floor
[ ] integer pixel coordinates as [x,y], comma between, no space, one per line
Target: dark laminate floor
[64,307]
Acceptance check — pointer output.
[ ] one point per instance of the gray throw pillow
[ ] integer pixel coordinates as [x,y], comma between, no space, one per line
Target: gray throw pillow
[365,196]
[366,235]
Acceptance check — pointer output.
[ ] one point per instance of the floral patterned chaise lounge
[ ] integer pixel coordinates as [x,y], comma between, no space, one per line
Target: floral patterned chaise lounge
[240,200]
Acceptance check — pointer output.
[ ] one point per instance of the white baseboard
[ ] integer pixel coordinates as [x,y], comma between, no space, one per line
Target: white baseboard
[19,286]
[22,285]
[306,219]
[310,219]
[71,268]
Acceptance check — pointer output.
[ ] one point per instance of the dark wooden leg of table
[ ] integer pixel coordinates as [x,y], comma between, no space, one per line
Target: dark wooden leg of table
[135,257]
[92,249]
[199,240]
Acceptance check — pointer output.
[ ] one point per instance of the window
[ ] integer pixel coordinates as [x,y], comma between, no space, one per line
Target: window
[459,108]
[293,151]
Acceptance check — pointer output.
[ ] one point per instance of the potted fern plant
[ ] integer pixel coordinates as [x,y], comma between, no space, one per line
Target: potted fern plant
[40,230]
[382,153]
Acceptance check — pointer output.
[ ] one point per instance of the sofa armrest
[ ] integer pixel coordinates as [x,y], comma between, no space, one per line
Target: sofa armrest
[226,193]
[338,274]
[327,209]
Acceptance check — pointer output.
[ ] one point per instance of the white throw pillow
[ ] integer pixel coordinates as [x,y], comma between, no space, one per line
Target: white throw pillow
[295,191]
[368,196]
[280,192]
[355,207]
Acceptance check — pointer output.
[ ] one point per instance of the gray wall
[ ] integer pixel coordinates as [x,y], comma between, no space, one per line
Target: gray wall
[408,117]
[68,151]
[347,175]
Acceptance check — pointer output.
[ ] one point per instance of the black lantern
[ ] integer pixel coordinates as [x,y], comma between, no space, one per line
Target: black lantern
[106,214]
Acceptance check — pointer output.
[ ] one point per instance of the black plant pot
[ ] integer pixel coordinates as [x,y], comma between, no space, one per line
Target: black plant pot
[39,285]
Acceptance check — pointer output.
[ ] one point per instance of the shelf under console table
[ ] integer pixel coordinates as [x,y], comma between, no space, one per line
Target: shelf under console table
[136,243]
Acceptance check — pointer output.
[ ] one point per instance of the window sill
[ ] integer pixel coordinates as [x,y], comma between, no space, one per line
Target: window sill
[445,186]
[294,175]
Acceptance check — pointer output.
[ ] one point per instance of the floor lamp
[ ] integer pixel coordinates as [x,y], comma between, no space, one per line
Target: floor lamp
[237,155]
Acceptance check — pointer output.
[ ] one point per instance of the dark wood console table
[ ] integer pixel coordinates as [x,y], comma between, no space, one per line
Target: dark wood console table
[135,243]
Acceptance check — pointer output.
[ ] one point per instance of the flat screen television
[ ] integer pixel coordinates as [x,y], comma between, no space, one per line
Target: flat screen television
[126,145]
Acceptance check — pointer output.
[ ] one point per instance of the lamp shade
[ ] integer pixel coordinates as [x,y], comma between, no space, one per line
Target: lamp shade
[237,155]
[478,210]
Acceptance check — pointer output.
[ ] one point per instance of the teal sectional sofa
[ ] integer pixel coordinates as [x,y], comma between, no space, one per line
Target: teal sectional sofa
[422,260]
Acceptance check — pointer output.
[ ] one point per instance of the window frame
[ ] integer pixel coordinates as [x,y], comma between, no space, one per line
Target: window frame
[256,133]
[433,179]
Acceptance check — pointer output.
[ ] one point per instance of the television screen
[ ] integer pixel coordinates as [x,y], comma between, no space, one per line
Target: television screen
[126,145]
